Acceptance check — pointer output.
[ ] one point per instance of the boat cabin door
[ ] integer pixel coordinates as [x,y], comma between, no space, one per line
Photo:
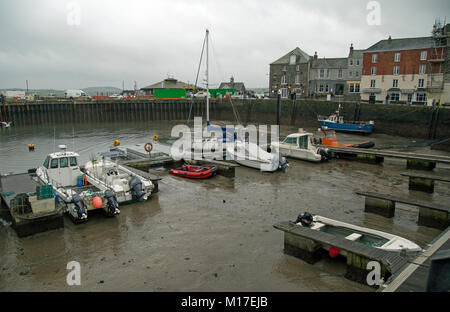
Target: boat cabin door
[62,170]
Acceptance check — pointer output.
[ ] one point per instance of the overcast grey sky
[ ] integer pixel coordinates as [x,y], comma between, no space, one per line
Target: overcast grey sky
[144,41]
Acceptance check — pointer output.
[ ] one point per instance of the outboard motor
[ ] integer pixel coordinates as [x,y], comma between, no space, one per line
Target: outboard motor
[325,154]
[306,219]
[136,189]
[283,163]
[80,207]
[113,204]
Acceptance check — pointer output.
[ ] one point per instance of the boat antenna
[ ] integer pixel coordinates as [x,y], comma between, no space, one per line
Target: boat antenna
[54,139]
[73,138]
[207,79]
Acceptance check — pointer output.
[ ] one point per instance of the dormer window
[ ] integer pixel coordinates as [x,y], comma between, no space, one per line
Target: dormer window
[292,60]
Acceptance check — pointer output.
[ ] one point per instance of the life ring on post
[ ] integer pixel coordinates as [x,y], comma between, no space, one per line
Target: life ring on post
[148,147]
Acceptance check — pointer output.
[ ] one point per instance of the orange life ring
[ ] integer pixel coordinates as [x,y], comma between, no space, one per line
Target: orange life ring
[148,147]
[85,181]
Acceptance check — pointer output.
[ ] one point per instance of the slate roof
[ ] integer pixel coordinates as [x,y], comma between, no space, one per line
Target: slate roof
[329,63]
[238,86]
[302,57]
[356,54]
[169,83]
[401,44]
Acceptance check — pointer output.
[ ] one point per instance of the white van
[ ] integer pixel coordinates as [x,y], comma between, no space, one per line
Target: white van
[71,94]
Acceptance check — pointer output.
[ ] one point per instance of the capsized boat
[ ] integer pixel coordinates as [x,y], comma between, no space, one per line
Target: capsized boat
[337,122]
[366,236]
[252,155]
[330,139]
[194,172]
[300,146]
[61,170]
[126,185]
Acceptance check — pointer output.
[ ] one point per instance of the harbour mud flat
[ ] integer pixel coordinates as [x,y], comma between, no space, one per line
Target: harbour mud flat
[212,235]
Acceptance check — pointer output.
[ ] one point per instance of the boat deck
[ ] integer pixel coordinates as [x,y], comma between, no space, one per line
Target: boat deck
[12,185]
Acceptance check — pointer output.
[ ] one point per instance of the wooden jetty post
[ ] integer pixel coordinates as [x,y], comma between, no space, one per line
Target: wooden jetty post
[423,182]
[420,165]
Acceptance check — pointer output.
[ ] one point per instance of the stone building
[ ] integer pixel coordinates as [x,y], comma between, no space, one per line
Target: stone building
[238,86]
[290,74]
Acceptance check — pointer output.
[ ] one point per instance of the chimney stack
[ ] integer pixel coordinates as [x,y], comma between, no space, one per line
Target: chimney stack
[315,56]
[351,48]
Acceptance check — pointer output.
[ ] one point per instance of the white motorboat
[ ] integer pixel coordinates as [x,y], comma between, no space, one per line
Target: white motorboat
[253,156]
[126,185]
[5,124]
[61,170]
[366,236]
[300,146]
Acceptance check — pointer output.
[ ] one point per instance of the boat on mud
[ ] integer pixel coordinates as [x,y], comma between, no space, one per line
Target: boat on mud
[301,146]
[5,124]
[337,122]
[363,235]
[194,172]
[330,139]
[126,185]
[61,170]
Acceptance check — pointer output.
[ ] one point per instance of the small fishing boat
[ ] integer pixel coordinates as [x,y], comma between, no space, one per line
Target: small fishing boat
[126,185]
[330,139]
[366,236]
[194,172]
[253,156]
[62,172]
[300,146]
[337,122]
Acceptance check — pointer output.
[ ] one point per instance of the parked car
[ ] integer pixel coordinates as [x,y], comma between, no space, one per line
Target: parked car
[201,94]
[71,94]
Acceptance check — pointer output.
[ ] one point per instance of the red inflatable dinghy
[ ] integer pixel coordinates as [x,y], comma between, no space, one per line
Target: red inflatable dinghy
[195,172]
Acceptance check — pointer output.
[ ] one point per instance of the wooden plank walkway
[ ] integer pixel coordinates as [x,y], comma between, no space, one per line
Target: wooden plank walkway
[406,201]
[392,260]
[414,277]
[427,176]
[389,154]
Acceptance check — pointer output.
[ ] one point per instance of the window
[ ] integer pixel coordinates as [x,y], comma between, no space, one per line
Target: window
[284,93]
[420,97]
[352,88]
[321,88]
[284,68]
[322,73]
[357,88]
[292,60]
[54,163]
[46,162]
[303,142]
[397,57]
[357,74]
[64,162]
[350,74]
[372,83]
[297,68]
[395,83]
[357,63]
[374,58]
[326,88]
[422,69]
[351,62]
[290,141]
[328,73]
[395,97]
[73,161]
[396,70]
[423,55]
[283,79]
[340,73]
[373,71]
[421,83]
[297,79]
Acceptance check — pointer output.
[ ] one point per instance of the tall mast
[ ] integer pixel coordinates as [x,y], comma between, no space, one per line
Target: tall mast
[207,78]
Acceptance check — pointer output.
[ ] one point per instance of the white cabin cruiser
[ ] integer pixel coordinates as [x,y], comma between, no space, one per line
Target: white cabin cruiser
[253,156]
[61,170]
[300,146]
[127,185]
[366,236]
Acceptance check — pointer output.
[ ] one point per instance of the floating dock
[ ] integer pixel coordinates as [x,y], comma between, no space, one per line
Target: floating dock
[414,160]
[44,216]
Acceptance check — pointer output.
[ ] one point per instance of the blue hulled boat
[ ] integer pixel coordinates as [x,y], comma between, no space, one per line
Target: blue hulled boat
[337,122]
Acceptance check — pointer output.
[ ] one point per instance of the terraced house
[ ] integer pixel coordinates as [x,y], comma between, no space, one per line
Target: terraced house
[406,70]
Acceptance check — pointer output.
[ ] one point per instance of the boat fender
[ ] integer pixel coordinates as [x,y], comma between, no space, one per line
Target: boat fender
[85,182]
[325,154]
[306,219]
[333,252]
[136,188]
[80,206]
[148,147]
[112,202]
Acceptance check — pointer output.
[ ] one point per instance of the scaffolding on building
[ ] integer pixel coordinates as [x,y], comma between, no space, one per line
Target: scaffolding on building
[439,47]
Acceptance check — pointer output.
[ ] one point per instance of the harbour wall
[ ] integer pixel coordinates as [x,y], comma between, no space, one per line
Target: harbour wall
[402,120]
